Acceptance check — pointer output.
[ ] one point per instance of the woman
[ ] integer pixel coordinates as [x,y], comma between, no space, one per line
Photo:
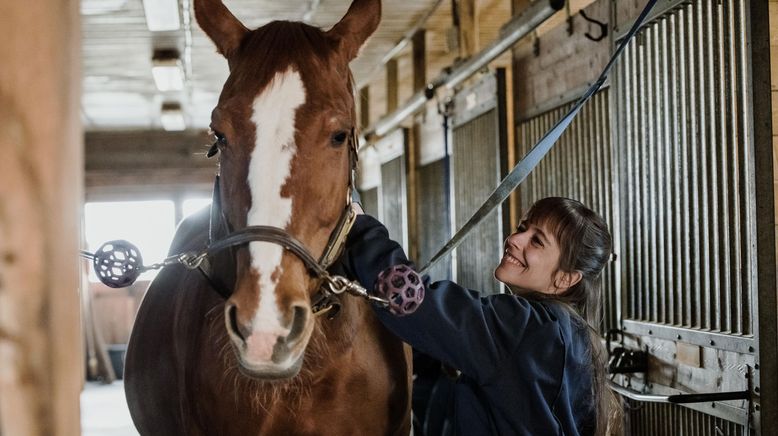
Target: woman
[531,363]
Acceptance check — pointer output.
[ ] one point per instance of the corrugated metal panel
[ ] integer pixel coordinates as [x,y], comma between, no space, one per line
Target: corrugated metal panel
[681,98]
[657,419]
[433,216]
[476,173]
[393,200]
[579,167]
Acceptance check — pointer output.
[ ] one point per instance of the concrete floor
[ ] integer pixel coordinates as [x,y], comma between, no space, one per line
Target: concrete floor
[104,411]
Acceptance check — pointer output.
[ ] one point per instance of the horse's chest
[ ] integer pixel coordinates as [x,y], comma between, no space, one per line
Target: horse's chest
[347,401]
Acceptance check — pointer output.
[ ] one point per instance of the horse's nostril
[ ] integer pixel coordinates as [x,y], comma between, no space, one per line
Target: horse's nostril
[299,318]
[232,315]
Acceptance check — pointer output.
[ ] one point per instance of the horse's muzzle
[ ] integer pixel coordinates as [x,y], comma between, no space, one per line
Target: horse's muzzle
[269,354]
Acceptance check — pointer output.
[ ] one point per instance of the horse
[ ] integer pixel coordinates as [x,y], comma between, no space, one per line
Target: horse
[240,347]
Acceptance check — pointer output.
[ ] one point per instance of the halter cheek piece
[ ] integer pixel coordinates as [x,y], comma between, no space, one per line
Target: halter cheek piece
[217,263]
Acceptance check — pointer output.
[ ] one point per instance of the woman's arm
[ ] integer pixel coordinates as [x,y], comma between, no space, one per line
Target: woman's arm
[453,324]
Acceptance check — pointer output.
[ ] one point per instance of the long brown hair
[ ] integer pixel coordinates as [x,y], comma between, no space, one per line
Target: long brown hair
[586,246]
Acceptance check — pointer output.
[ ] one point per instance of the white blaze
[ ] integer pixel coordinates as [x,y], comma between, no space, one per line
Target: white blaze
[270,165]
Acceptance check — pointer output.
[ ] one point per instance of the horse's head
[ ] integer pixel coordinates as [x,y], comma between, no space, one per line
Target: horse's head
[283,126]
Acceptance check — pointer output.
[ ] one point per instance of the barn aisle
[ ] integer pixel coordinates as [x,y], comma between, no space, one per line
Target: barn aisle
[104,411]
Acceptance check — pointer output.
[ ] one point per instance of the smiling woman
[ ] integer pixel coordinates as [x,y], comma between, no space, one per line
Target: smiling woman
[532,362]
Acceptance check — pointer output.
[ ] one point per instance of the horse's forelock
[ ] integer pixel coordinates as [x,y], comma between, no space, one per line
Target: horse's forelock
[278,44]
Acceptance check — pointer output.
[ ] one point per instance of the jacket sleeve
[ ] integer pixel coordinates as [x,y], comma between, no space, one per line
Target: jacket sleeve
[453,324]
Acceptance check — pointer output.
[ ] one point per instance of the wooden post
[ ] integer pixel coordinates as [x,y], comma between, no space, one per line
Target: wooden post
[419,64]
[364,107]
[419,60]
[468,28]
[392,86]
[518,6]
[765,382]
[41,359]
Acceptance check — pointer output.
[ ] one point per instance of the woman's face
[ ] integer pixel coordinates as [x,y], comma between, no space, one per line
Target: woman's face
[531,259]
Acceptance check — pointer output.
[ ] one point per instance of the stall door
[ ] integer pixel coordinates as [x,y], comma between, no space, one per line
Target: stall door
[477,166]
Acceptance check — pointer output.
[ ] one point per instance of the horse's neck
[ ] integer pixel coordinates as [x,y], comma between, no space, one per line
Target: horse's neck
[192,233]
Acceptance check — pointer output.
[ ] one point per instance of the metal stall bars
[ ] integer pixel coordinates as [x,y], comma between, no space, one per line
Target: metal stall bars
[393,209]
[433,190]
[580,167]
[684,134]
[478,163]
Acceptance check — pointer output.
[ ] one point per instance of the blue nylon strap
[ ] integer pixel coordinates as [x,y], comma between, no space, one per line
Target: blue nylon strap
[536,154]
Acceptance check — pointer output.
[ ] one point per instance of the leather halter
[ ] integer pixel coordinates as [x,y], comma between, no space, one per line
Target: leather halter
[221,236]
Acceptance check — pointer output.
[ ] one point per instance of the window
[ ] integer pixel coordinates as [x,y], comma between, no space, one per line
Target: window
[194,204]
[149,225]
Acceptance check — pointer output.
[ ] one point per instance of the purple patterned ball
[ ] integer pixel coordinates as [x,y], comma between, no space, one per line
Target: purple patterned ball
[403,287]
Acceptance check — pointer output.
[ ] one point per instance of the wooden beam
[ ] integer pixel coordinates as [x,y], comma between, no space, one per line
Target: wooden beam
[364,108]
[419,60]
[468,28]
[518,6]
[41,359]
[765,382]
[392,86]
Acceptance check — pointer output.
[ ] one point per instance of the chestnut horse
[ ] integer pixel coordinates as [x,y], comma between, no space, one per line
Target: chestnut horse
[240,350]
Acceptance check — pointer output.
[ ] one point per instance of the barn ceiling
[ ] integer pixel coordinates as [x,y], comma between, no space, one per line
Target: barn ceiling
[119,92]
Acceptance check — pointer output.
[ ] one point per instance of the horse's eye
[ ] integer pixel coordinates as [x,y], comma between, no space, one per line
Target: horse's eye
[338,138]
[220,139]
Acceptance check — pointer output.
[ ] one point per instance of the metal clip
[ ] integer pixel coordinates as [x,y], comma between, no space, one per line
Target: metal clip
[339,285]
[190,260]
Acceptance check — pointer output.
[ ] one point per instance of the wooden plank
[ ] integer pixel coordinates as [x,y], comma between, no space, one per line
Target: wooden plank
[419,60]
[41,359]
[468,28]
[392,85]
[689,355]
[364,107]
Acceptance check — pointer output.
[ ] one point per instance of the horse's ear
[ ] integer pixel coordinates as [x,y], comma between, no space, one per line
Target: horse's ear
[356,26]
[220,25]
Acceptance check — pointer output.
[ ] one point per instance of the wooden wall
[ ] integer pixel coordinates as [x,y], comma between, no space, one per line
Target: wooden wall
[115,309]
[565,62]
[151,164]
[41,363]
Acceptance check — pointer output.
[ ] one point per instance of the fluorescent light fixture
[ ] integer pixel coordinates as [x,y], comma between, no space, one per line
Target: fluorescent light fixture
[167,70]
[99,7]
[172,117]
[162,15]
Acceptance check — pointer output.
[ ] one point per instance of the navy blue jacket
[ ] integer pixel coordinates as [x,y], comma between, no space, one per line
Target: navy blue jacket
[525,364]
